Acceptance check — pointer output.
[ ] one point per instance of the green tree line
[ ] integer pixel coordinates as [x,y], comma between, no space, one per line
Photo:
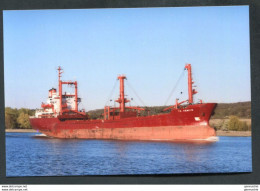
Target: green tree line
[18,118]
[234,124]
[222,111]
[240,109]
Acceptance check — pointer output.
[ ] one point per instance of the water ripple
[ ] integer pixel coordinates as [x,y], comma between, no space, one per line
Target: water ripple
[31,154]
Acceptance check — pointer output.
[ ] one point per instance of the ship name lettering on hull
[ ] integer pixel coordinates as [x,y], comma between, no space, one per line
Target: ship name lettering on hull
[185,110]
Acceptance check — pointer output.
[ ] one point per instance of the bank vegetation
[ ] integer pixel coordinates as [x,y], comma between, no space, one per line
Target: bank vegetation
[226,117]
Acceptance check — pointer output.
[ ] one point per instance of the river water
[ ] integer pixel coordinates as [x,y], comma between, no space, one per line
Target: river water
[28,154]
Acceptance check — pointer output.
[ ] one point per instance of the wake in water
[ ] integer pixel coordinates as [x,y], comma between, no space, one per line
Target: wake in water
[210,139]
[42,136]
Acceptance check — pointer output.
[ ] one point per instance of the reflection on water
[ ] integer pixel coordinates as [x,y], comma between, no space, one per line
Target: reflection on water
[30,154]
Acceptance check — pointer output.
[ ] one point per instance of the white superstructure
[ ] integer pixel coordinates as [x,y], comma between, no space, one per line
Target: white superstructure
[60,103]
[52,106]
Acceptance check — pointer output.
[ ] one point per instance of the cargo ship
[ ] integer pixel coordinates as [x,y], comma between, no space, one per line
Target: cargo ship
[185,120]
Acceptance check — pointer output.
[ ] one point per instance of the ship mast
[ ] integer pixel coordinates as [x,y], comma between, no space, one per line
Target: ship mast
[60,91]
[190,90]
[122,100]
[60,88]
[76,95]
[190,82]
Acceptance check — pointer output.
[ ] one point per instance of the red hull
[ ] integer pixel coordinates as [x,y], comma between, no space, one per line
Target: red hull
[191,122]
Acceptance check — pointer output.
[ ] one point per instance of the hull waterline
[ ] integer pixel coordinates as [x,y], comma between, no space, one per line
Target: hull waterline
[190,123]
[60,118]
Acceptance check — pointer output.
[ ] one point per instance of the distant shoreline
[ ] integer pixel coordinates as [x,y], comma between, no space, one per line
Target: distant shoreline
[20,131]
[219,133]
[234,133]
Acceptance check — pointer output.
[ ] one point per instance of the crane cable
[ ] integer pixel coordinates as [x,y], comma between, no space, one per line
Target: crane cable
[177,83]
[112,91]
[135,93]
